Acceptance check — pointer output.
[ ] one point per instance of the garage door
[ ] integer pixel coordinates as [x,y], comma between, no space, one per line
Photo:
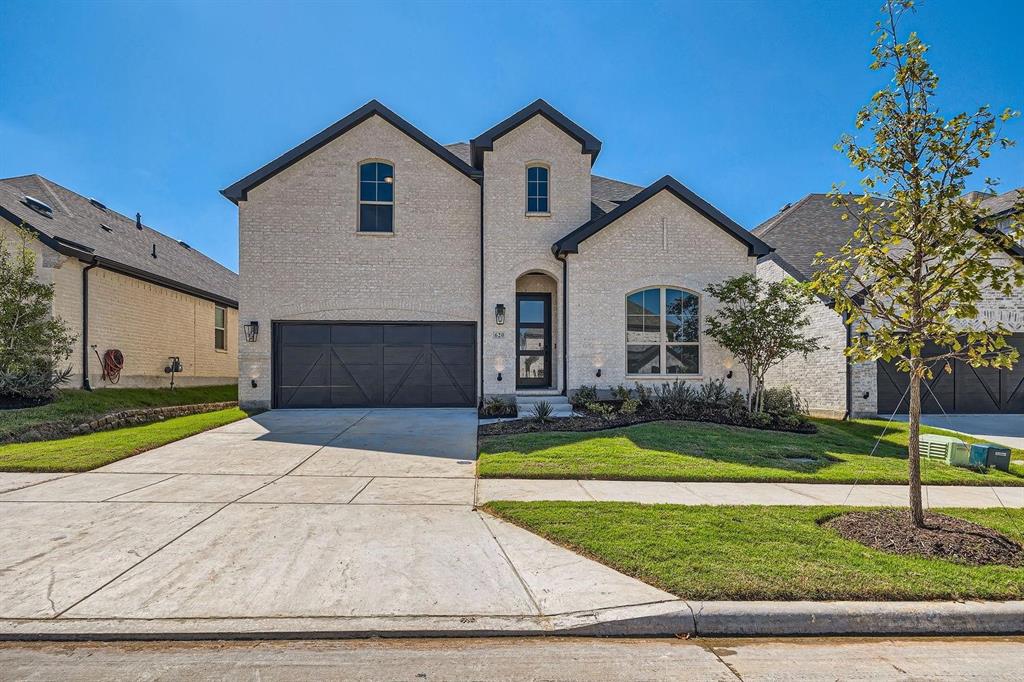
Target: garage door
[967,390]
[374,365]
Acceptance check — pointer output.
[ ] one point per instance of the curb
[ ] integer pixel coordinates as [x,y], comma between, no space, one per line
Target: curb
[664,619]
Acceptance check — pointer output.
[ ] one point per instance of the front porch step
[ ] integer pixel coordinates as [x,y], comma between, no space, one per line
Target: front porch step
[530,399]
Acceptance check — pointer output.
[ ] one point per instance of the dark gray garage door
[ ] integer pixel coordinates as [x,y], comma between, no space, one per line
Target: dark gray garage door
[968,390]
[374,365]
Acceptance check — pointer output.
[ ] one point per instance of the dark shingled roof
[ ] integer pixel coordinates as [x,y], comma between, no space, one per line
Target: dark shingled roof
[799,231]
[605,194]
[485,141]
[76,226]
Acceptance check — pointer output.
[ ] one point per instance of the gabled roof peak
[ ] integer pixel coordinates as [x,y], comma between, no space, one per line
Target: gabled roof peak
[539,107]
[238,191]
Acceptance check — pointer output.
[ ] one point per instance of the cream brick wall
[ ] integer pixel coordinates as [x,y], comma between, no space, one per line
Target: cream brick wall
[301,257]
[820,377]
[147,322]
[662,242]
[516,244]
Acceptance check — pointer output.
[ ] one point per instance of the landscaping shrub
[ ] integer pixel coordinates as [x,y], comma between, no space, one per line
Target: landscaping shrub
[782,401]
[601,410]
[583,395]
[499,407]
[542,411]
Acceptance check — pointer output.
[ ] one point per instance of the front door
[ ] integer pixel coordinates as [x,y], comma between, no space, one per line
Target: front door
[533,340]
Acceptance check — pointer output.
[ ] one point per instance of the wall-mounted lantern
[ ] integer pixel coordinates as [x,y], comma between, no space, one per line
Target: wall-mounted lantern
[598,373]
[728,375]
[499,376]
[499,313]
[252,331]
[252,382]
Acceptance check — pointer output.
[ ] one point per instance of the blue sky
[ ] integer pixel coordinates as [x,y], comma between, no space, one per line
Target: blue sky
[155,106]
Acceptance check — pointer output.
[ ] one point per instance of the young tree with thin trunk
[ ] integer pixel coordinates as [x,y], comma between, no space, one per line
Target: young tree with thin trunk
[911,277]
[761,323]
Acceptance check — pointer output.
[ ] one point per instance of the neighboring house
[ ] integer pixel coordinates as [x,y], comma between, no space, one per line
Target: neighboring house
[121,285]
[832,386]
[383,268]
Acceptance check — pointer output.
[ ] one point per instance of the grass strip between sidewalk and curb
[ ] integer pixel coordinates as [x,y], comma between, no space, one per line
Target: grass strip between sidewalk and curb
[75,406]
[761,553]
[83,453]
[841,452]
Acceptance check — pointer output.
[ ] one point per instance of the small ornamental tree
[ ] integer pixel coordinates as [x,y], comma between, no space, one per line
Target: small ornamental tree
[32,341]
[912,275]
[762,324]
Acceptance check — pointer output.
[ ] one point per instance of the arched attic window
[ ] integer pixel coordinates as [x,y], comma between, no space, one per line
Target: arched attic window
[376,196]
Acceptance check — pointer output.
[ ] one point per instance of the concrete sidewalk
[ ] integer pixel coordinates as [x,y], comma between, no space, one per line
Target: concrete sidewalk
[656,492]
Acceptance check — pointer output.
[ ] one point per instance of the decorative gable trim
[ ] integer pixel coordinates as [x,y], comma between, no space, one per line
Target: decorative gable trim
[238,191]
[571,242]
[485,142]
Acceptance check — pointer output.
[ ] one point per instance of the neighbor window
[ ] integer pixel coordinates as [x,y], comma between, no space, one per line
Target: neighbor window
[376,197]
[536,189]
[220,337]
[662,332]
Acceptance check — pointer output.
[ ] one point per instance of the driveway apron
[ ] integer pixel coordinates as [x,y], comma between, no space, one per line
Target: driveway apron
[289,514]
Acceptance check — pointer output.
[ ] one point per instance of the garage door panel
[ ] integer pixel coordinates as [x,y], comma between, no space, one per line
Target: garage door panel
[368,364]
[968,390]
[358,334]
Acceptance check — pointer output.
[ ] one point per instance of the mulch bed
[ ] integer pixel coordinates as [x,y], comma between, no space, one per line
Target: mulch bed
[944,537]
[589,422]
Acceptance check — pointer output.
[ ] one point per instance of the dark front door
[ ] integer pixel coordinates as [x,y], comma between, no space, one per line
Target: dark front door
[533,340]
[334,364]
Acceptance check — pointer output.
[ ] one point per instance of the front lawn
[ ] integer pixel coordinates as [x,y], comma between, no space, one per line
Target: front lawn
[761,553]
[76,406]
[82,453]
[692,451]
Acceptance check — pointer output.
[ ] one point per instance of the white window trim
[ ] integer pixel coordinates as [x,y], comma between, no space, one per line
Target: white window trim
[359,201]
[663,335]
[223,329]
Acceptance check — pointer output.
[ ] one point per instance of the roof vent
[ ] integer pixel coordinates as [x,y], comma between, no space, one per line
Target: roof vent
[105,227]
[138,225]
[40,207]
[784,208]
[98,204]
[185,245]
[154,250]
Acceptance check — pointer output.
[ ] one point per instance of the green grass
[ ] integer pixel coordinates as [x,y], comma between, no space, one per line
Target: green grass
[76,406]
[82,453]
[691,451]
[760,553]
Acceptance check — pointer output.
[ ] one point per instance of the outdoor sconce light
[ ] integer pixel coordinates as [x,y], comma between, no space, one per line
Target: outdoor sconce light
[728,375]
[252,382]
[499,376]
[866,394]
[598,373]
[499,313]
[252,330]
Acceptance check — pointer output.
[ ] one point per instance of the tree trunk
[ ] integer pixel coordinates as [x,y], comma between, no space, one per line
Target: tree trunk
[750,391]
[914,458]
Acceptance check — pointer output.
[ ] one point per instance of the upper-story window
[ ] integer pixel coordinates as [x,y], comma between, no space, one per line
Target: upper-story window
[662,332]
[376,197]
[537,189]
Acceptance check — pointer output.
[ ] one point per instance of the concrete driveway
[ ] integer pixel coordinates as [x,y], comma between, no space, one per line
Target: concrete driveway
[296,521]
[1004,429]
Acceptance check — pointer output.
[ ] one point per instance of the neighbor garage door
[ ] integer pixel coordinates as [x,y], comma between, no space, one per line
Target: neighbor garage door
[374,365]
[967,390]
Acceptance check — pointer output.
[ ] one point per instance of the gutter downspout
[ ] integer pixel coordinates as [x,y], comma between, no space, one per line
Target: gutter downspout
[849,370]
[480,399]
[565,323]
[85,324]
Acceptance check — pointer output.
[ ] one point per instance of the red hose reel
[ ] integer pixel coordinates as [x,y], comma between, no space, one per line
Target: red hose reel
[112,363]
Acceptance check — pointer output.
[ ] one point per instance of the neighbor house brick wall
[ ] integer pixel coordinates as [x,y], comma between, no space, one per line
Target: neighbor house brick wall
[302,258]
[662,242]
[147,322]
[820,377]
[516,243]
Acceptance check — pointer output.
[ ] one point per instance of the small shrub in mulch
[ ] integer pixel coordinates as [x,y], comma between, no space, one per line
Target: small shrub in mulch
[944,537]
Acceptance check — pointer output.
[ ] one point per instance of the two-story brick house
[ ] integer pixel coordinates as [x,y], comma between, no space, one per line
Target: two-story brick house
[382,268]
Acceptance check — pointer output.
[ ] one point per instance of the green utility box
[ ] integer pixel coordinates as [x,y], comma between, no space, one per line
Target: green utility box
[996,456]
[945,449]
